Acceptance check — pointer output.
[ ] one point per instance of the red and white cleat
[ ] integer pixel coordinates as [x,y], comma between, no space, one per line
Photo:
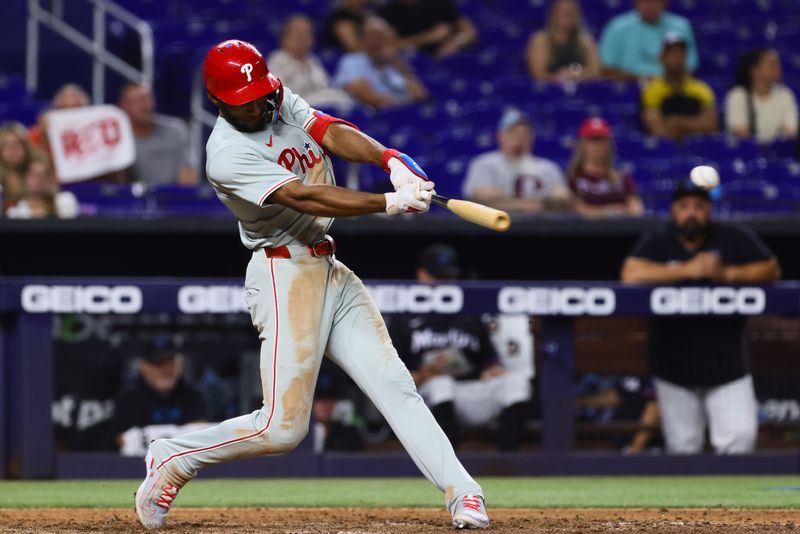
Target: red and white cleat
[154,496]
[469,511]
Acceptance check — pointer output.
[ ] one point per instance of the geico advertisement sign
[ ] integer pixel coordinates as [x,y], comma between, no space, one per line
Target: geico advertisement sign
[557,301]
[81,299]
[211,299]
[707,301]
[417,298]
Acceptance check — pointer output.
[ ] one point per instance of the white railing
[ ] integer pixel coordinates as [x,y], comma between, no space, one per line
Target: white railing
[95,45]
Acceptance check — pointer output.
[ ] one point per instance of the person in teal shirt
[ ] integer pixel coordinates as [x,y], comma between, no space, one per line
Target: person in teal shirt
[630,45]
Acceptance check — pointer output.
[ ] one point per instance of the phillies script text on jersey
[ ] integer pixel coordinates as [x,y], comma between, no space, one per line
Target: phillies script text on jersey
[290,156]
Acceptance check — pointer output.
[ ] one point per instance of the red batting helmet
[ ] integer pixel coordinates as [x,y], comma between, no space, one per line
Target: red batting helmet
[236,73]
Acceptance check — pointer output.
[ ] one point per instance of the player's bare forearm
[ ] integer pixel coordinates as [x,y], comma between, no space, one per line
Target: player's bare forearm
[753,272]
[648,423]
[706,122]
[656,123]
[364,93]
[642,271]
[323,200]
[346,142]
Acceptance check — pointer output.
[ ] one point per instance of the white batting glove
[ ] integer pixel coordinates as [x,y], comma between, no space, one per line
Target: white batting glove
[410,198]
[402,169]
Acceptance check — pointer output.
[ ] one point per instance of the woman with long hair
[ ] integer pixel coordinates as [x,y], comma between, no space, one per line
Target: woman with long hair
[42,191]
[15,156]
[759,106]
[598,188]
[563,50]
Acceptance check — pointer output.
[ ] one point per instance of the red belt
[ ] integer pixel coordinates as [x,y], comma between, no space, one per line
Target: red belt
[324,247]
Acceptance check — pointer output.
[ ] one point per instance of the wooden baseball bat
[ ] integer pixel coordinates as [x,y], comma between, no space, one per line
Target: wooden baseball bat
[496,220]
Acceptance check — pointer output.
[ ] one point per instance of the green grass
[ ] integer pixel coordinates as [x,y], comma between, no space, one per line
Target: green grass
[578,492]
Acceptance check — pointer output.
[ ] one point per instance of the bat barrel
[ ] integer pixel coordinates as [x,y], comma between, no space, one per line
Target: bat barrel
[502,222]
[485,216]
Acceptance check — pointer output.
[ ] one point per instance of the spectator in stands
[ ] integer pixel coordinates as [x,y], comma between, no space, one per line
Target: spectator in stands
[379,76]
[630,45]
[162,142]
[700,363]
[15,156]
[564,50]
[454,365]
[42,196]
[598,188]
[512,178]
[677,104]
[345,24]
[301,70]
[69,96]
[435,26]
[161,395]
[759,106]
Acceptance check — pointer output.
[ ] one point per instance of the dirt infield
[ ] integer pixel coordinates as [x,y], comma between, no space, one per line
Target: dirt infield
[402,521]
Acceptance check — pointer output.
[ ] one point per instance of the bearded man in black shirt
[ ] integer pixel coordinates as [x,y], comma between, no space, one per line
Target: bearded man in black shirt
[700,363]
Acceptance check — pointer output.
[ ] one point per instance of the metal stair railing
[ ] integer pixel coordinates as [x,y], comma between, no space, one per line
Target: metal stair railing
[95,45]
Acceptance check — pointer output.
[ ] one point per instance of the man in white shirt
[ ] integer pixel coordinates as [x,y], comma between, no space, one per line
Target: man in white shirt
[162,142]
[379,76]
[511,178]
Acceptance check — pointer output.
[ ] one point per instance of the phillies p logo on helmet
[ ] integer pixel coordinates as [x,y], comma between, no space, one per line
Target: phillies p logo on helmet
[247,68]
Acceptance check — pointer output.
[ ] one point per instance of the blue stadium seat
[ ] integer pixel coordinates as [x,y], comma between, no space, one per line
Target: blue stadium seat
[694,9]
[448,173]
[182,200]
[25,112]
[758,196]
[559,150]
[719,147]
[655,183]
[645,148]
[780,149]
[108,199]
[606,93]
[781,171]
[12,88]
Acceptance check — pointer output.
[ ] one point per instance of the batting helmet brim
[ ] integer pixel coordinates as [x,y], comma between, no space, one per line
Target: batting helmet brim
[257,89]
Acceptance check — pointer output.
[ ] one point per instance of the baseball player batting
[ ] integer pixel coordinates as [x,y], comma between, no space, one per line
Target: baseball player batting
[268,160]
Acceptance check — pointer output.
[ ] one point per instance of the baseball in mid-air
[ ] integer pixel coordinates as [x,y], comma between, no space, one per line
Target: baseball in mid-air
[704,177]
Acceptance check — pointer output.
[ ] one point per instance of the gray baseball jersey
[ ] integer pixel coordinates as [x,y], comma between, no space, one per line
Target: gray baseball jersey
[303,306]
[245,168]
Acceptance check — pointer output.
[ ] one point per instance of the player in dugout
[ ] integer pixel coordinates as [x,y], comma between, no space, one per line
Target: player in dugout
[455,366]
[268,158]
